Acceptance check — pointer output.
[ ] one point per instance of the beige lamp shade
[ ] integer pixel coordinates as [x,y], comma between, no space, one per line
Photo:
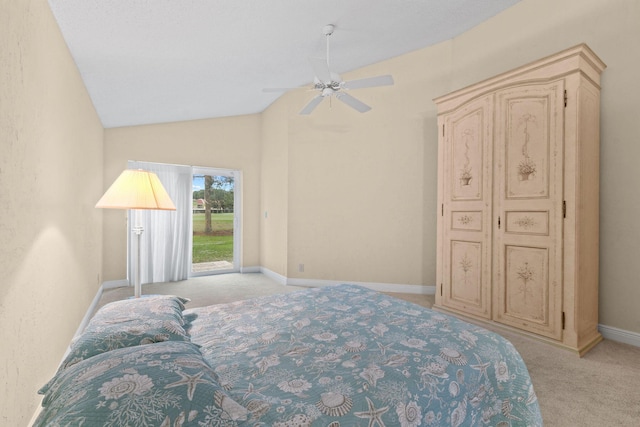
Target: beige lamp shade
[136,189]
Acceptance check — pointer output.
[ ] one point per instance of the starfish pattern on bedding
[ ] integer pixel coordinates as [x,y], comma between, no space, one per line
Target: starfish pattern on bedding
[373,414]
[251,389]
[191,381]
[482,367]
[383,348]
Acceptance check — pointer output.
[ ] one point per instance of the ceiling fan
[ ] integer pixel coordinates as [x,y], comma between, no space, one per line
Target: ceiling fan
[329,84]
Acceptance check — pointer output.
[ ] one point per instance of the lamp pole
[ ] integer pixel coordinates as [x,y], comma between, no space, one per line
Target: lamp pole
[137,286]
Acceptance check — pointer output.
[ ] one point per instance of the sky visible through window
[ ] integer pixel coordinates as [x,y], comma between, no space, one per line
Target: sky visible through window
[198,184]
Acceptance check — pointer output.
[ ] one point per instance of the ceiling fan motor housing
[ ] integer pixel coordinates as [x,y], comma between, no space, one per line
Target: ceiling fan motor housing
[327,91]
[327,30]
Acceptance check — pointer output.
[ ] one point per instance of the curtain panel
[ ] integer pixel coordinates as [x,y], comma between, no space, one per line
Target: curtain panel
[164,245]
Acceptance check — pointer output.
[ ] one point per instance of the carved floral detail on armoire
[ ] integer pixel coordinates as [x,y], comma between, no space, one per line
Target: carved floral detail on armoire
[465,173]
[518,162]
[526,167]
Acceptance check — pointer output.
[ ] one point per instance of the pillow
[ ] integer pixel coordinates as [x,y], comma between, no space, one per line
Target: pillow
[168,383]
[128,323]
[134,308]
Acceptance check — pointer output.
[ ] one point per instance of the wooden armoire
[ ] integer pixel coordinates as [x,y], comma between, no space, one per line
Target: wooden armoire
[518,179]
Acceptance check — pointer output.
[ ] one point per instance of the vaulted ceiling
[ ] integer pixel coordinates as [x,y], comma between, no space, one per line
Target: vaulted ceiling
[153,61]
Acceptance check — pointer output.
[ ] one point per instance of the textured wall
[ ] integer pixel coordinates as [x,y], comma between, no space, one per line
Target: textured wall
[50,179]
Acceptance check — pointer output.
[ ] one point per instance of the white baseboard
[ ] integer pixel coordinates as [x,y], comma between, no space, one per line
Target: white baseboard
[88,314]
[36,413]
[111,284]
[274,276]
[620,335]
[253,269]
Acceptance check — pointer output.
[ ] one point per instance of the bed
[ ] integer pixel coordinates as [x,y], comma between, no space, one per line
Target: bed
[334,356]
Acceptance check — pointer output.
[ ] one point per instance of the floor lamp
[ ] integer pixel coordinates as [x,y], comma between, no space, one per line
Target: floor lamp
[136,189]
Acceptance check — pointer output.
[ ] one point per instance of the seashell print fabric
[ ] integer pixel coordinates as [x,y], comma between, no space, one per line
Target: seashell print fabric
[348,356]
[165,384]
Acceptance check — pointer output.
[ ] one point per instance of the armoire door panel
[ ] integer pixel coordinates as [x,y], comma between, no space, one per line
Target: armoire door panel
[527,222]
[466,211]
[528,301]
[466,220]
[528,246]
[467,140]
[528,113]
[527,269]
[466,274]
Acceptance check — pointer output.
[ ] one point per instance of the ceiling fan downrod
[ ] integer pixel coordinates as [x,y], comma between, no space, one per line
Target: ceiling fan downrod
[327,30]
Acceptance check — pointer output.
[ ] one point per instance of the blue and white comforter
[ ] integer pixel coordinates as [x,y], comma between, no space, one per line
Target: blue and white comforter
[349,356]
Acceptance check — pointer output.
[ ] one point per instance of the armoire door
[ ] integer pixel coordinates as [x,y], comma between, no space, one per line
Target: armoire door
[528,203]
[466,208]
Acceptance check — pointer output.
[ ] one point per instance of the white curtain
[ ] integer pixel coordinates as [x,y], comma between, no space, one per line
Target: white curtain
[164,248]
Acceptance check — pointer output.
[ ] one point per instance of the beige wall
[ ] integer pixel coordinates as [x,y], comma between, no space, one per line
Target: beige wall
[273,188]
[360,193]
[356,187]
[50,179]
[354,194]
[229,143]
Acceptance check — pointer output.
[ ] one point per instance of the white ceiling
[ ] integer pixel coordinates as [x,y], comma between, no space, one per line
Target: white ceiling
[153,61]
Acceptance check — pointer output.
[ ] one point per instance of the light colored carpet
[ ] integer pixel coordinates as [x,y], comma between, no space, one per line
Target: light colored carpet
[600,389]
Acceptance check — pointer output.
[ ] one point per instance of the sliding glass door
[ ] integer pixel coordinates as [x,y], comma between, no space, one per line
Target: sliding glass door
[215,234]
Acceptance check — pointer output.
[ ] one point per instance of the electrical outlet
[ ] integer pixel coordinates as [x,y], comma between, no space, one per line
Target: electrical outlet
[301,268]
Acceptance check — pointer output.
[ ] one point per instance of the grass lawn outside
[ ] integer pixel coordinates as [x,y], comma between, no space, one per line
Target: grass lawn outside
[215,247]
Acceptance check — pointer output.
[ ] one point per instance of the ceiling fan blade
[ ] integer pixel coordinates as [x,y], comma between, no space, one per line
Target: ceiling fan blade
[281,89]
[311,105]
[369,82]
[353,102]
[321,69]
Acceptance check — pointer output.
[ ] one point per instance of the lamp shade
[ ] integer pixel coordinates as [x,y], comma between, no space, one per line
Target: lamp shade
[136,189]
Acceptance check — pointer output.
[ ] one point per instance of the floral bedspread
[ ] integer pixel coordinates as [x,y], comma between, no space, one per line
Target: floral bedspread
[348,356]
